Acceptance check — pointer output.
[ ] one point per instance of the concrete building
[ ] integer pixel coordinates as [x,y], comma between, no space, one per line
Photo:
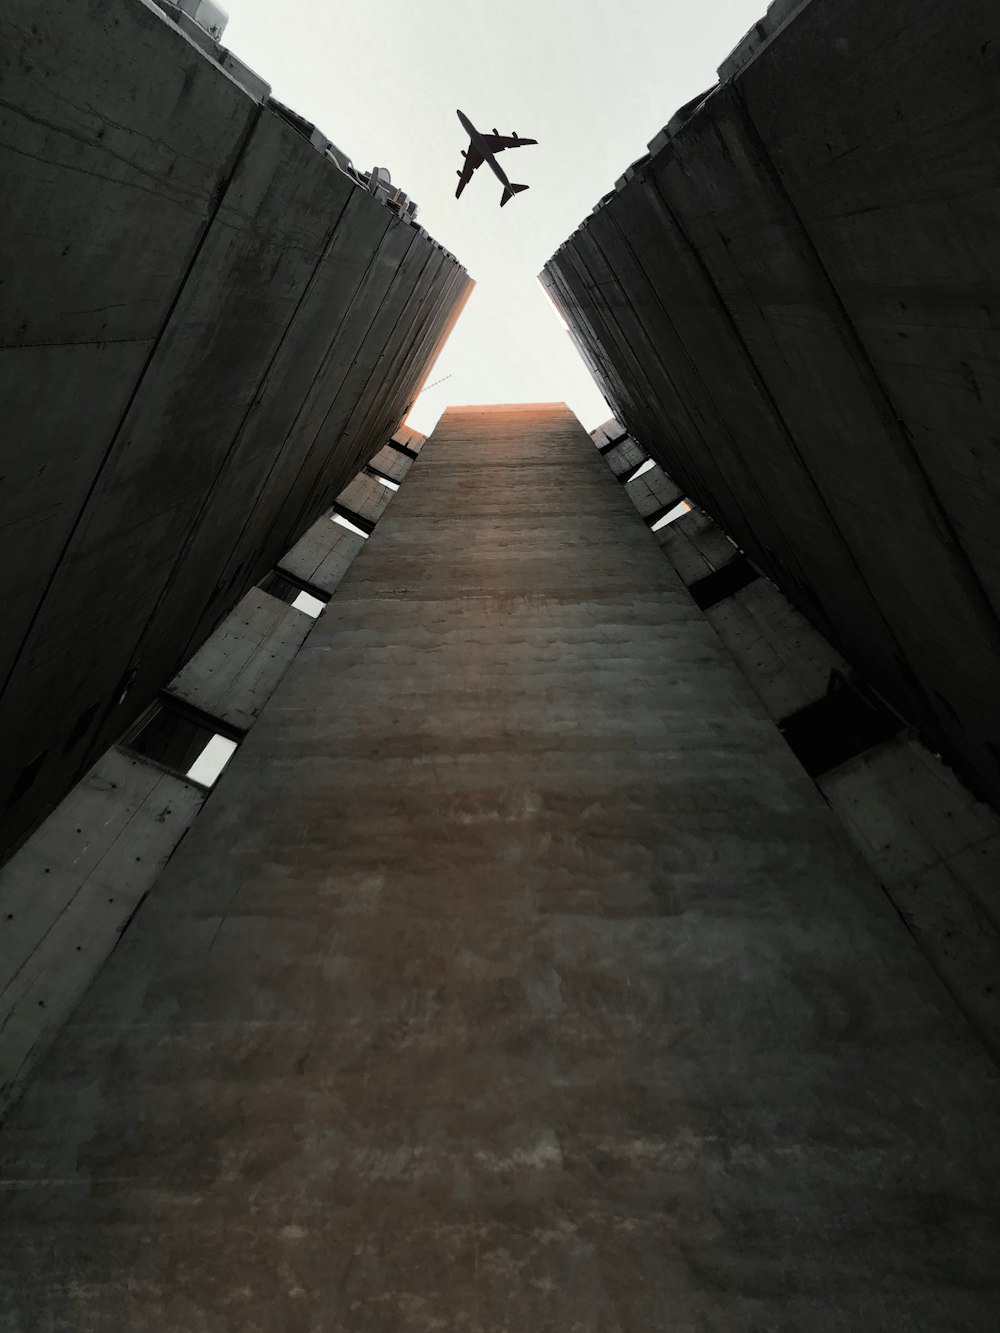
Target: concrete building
[579,936]
[515,975]
[208,324]
[792,303]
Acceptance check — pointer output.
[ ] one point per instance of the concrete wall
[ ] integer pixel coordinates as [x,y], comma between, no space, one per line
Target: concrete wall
[933,847]
[793,302]
[514,977]
[69,892]
[206,329]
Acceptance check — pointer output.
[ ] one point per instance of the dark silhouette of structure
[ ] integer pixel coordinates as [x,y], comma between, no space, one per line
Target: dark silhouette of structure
[483,148]
[200,351]
[792,303]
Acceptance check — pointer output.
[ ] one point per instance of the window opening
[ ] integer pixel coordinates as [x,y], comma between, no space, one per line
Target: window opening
[294,592]
[640,471]
[351,527]
[184,741]
[846,722]
[656,522]
[724,582]
[311,605]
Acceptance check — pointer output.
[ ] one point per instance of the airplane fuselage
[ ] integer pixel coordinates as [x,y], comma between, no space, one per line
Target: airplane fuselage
[479,143]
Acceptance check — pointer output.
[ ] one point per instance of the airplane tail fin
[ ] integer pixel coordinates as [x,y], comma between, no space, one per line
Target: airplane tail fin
[509,194]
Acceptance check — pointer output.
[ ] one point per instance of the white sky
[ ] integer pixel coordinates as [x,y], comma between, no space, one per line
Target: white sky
[591,80]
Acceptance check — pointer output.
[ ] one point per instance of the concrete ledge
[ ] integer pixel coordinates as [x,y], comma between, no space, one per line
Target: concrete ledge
[69,892]
[366,496]
[237,670]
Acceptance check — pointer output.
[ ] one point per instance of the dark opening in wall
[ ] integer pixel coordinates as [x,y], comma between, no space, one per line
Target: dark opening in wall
[26,779]
[611,444]
[388,482]
[295,592]
[185,741]
[723,583]
[667,515]
[848,720]
[364,527]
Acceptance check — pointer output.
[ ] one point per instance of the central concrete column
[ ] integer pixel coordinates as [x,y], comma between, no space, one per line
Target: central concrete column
[515,977]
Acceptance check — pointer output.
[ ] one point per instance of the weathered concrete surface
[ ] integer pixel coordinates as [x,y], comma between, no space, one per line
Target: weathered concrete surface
[236,670]
[932,846]
[793,304]
[366,497]
[654,492]
[207,329]
[392,463]
[113,833]
[69,892]
[937,851]
[515,976]
[323,555]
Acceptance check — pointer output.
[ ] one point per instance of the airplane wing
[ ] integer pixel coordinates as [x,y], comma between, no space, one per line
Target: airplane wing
[496,143]
[472,160]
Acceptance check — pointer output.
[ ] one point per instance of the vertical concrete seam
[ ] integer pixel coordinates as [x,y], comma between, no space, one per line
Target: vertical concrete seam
[773,405]
[322,484]
[209,492]
[895,427]
[220,195]
[680,398]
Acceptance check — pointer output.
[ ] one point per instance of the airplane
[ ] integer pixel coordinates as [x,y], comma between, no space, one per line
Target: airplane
[482,148]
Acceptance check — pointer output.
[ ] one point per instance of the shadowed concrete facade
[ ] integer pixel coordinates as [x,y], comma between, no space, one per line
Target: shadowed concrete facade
[793,302]
[514,976]
[206,328]
[70,890]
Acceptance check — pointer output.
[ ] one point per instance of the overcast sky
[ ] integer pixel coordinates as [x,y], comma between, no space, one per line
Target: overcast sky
[592,80]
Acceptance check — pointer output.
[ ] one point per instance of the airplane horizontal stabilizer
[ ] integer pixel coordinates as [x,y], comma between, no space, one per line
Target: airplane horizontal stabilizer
[509,194]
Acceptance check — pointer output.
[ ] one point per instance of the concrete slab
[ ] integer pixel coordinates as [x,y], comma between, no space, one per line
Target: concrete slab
[696,546]
[70,891]
[366,496]
[392,463]
[235,672]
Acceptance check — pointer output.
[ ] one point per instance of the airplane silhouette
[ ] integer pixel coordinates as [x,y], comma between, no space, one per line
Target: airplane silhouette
[483,148]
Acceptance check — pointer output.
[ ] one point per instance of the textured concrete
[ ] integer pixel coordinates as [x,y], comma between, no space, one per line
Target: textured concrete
[793,304]
[932,846]
[69,892]
[236,670]
[207,329]
[323,555]
[514,976]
